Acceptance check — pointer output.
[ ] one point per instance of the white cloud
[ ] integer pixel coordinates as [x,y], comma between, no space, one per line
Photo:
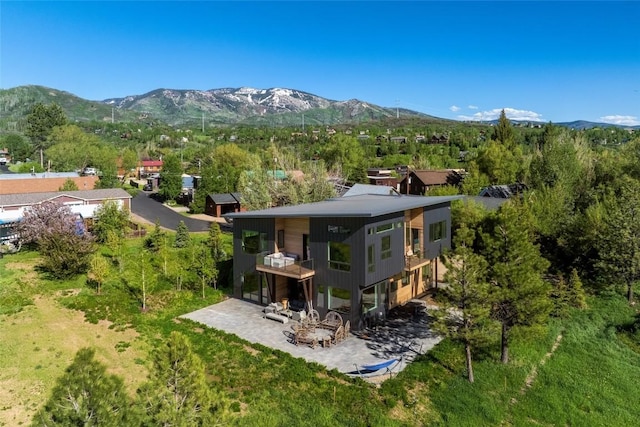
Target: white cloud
[472,107]
[454,108]
[511,113]
[621,120]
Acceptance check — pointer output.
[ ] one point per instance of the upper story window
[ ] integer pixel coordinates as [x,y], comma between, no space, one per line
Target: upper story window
[437,231]
[253,242]
[340,256]
[385,247]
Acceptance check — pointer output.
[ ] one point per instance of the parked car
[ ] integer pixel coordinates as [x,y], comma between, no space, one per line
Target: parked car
[90,171]
[3,161]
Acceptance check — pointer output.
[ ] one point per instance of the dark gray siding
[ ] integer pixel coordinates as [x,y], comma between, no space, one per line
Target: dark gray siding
[243,262]
[432,215]
[384,268]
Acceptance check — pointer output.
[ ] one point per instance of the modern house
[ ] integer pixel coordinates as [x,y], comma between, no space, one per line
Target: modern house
[358,255]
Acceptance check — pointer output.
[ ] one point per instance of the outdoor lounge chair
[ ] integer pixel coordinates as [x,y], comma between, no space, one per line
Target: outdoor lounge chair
[332,321]
[376,369]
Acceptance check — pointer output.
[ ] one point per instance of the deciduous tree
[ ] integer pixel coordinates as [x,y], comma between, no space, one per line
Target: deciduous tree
[110,217]
[170,178]
[59,236]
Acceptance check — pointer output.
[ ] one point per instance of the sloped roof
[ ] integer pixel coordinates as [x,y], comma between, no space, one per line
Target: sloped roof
[438,177]
[503,191]
[360,189]
[366,205]
[225,198]
[87,195]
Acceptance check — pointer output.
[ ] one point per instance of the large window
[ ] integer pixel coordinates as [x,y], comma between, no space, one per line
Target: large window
[253,242]
[371,258]
[339,300]
[339,256]
[437,231]
[369,298]
[385,250]
[251,287]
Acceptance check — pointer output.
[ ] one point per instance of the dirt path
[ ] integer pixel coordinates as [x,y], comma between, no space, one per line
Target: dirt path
[528,382]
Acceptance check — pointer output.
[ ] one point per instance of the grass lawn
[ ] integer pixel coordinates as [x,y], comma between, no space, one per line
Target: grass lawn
[589,379]
[40,337]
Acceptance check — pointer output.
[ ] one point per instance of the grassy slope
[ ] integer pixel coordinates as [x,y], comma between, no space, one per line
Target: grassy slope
[40,337]
[591,379]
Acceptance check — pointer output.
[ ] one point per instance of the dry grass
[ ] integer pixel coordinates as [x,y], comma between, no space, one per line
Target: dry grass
[40,342]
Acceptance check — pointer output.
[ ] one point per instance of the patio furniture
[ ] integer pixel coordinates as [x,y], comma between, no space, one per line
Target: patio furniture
[338,335]
[302,336]
[314,317]
[300,316]
[347,329]
[278,317]
[332,321]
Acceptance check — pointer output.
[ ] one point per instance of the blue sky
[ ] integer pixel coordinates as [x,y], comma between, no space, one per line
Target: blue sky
[544,60]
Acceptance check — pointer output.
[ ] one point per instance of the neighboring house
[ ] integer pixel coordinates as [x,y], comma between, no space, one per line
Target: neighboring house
[358,255]
[83,202]
[20,183]
[382,176]
[148,167]
[503,191]
[419,182]
[361,189]
[5,158]
[222,203]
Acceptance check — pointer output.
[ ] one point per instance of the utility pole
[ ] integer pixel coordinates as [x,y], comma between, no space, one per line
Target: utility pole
[203,122]
[112,116]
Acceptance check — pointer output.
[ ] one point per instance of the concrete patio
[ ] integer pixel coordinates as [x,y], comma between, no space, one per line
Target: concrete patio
[406,334]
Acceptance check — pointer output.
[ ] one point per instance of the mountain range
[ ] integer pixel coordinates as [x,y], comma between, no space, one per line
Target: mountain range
[226,106]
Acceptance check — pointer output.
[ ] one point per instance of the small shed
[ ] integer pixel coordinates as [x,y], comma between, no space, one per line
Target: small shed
[222,203]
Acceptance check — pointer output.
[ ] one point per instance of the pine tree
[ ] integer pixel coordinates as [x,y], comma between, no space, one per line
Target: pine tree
[40,122]
[87,396]
[577,297]
[619,240]
[521,296]
[468,294]
[503,132]
[215,242]
[183,238]
[177,393]
[156,239]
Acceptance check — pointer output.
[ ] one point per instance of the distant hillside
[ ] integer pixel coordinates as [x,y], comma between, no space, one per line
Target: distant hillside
[228,106]
[276,107]
[15,104]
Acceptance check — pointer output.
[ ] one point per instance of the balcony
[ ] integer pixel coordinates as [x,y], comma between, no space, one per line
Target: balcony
[282,265]
[415,260]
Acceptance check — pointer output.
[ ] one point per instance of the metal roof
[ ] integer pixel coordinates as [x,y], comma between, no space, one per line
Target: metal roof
[366,205]
[39,175]
[32,198]
[360,189]
[225,198]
